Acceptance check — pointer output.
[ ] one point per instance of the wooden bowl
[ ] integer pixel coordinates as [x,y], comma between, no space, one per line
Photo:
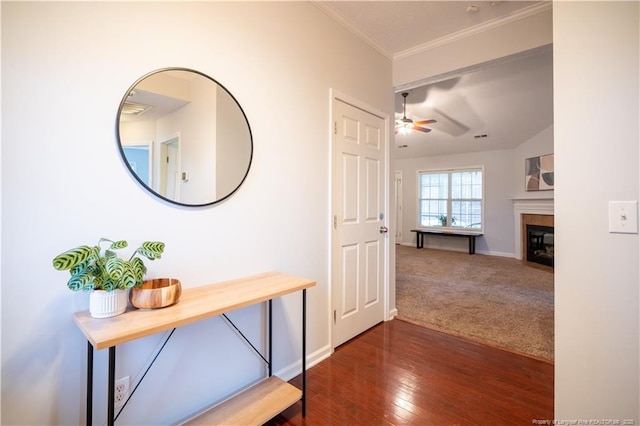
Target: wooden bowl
[156,293]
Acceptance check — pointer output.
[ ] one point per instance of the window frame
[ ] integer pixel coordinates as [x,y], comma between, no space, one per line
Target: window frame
[450,171]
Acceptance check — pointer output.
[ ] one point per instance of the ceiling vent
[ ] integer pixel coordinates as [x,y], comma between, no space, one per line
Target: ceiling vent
[133,108]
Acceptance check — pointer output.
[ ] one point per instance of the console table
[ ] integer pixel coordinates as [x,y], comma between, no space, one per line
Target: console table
[255,405]
[420,233]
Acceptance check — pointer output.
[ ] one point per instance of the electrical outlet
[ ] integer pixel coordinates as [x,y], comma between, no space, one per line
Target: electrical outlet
[121,392]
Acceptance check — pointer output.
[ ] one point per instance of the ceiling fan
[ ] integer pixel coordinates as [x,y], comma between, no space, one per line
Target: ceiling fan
[405,125]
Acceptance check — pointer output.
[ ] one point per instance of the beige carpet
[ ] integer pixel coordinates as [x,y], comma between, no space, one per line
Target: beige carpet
[491,299]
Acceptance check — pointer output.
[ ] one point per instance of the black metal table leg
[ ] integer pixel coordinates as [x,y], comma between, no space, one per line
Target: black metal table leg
[111,387]
[304,352]
[270,363]
[89,408]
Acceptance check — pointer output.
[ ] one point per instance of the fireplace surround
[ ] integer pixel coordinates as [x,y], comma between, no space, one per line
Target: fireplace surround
[530,211]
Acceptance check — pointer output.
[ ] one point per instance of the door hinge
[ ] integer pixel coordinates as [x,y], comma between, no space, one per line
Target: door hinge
[335,221]
[335,127]
[334,316]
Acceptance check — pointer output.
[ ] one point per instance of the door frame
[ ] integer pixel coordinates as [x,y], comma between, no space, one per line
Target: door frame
[337,96]
[398,207]
[162,170]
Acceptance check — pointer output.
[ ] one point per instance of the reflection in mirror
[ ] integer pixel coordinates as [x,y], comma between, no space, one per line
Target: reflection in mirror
[184,137]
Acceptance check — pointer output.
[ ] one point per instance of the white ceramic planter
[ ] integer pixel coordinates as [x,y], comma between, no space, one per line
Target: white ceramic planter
[105,304]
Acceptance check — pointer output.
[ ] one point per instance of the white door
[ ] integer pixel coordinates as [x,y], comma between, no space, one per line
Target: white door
[358,244]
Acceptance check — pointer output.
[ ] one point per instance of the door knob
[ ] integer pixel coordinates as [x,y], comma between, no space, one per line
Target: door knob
[384,229]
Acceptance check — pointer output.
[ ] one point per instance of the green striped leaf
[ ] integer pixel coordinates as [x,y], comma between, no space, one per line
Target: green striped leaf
[151,249]
[71,258]
[138,269]
[128,278]
[115,245]
[80,282]
[108,284]
[115,267]
[79,269]
[97,282]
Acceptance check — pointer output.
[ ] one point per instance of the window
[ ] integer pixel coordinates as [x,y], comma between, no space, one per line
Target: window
[451,199]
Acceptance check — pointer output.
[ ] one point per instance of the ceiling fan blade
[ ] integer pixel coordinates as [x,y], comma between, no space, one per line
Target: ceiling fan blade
[422,122]
[421,129]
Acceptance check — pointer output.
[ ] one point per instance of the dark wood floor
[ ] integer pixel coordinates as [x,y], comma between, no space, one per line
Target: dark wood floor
[402,374]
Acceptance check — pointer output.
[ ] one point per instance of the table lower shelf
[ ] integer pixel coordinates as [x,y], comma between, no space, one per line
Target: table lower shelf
[254,406]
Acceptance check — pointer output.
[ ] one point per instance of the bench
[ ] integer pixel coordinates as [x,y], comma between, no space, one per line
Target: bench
[420,233]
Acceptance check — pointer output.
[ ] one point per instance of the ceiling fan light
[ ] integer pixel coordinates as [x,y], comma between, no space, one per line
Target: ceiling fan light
[405,125]
[405,129]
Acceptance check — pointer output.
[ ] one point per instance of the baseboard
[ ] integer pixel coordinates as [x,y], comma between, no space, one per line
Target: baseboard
[496,253]
[292,370]
[392,314]
[487,253]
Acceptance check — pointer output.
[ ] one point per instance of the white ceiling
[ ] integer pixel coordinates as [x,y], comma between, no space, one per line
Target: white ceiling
[509,101]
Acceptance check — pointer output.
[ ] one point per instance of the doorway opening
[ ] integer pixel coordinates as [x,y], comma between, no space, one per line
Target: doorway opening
[170,168]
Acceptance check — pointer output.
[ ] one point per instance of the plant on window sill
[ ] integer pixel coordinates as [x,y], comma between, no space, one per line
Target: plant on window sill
[443,220]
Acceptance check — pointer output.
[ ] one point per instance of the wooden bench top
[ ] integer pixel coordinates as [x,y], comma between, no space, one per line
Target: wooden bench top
[448,232]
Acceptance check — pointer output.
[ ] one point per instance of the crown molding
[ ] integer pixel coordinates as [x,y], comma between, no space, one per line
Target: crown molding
[475,30]
[442,41]
[323,6]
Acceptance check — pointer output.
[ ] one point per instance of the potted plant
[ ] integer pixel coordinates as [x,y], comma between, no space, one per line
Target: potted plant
[106,275]
[443,220]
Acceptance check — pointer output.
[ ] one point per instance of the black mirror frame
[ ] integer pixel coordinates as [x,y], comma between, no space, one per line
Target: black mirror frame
[135,175]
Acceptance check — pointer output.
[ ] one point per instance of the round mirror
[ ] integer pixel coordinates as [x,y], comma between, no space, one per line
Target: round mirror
[184,137]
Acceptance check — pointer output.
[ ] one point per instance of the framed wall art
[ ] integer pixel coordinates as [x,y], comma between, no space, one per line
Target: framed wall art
[539,173]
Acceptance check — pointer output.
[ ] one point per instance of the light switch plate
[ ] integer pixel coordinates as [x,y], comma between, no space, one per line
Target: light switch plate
[623,217]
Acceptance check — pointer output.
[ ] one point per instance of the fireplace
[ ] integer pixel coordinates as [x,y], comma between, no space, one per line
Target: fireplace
[537,247]
[539,244]
[532,211]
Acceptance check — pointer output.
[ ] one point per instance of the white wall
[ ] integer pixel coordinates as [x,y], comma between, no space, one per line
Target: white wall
[597,119]
[280,61]
[540,144]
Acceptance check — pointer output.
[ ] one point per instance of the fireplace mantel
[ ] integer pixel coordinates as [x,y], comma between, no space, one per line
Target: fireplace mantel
[528,206]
